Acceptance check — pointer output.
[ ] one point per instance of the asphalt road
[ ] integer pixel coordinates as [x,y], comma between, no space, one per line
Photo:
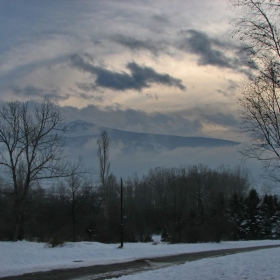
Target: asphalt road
[117,270]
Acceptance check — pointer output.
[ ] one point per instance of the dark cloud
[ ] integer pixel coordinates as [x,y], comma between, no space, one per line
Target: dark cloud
[87,86]
[31,92]
[149,75]
[208,49]
[136,44]
[162,19]
[212,51]
[141,76]
[152,96]
[99,98]
[88,56]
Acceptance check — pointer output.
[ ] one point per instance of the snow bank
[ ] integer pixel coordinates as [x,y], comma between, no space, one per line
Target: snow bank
[23,257]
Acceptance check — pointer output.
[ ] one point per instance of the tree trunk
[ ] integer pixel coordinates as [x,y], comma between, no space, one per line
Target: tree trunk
[18,214]
[18,231]
[74,222]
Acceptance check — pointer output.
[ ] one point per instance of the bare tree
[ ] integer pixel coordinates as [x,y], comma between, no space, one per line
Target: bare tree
[257,26]
[31,149]
[260,114]
[103,143]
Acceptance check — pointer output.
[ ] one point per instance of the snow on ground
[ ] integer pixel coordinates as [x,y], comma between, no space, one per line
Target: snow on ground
[256,265]
[22,257]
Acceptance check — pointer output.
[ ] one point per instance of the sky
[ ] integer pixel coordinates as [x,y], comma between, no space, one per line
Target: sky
[166,67]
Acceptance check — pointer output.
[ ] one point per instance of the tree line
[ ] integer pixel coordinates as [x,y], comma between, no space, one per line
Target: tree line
[187,204]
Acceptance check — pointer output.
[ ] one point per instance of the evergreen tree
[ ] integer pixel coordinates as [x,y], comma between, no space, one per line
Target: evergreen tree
[251,223]
[236,217]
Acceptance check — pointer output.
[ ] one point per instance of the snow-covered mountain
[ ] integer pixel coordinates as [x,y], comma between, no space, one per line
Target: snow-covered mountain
[81,132]
[132,152]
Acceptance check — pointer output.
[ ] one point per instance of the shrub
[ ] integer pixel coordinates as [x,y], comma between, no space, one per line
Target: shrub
[55,242]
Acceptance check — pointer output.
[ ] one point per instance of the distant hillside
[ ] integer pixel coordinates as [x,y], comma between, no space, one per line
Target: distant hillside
[132,152]
[81,132]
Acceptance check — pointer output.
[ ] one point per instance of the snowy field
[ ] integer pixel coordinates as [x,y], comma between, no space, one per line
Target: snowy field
[22,257]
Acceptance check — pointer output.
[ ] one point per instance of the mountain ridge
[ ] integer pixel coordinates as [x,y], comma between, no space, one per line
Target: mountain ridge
[80,132]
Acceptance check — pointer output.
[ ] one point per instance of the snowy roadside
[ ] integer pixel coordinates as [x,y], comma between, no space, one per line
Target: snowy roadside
[257,265]
[24,257]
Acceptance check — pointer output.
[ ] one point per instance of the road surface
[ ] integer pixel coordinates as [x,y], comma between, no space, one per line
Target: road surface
[99,272]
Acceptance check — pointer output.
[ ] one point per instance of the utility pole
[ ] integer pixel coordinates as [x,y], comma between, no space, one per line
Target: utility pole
[121,246]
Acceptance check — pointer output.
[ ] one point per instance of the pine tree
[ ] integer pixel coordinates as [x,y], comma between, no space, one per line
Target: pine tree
[236,217]
[252,216]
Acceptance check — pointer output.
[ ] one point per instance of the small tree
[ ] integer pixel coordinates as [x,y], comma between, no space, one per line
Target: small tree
[73,189]
[103,143]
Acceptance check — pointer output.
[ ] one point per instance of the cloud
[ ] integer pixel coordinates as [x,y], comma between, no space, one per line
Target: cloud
[215,52]
[135,44]
[31,92]
[161,18]
[206,48]
[87,86]
[141,76]
[98,98]
[230,90]
[221,119]
[232,85]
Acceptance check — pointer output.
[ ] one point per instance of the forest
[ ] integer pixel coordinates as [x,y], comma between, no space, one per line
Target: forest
[187,204]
